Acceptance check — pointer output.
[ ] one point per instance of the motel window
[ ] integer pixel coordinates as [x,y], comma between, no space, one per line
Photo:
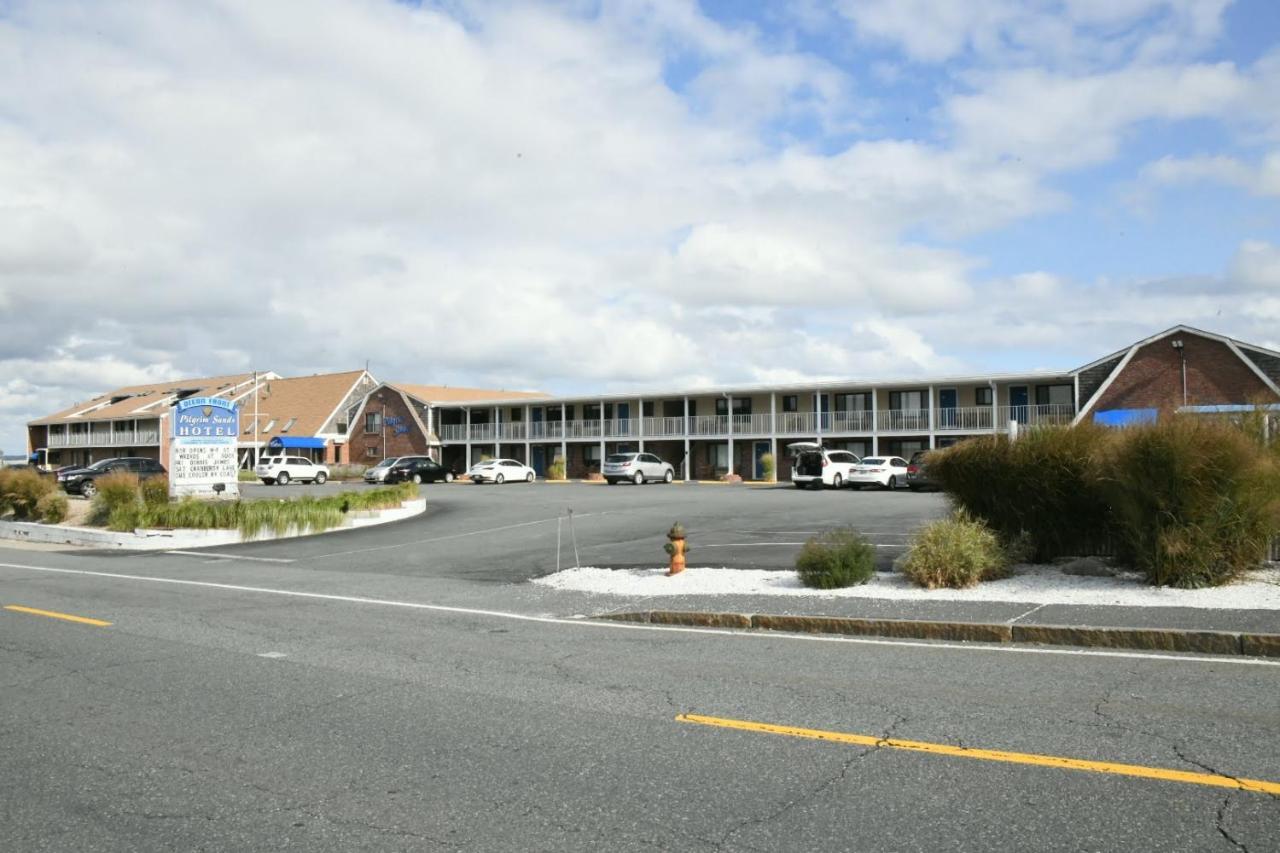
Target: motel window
[591,454]
[271,424]
[722,406]
[906,400]
[370,452]
[373,422]
[517,415]
[646,409]
[791,403]
[342,427]
[288,425]
[718,456]
[1054,395]
[591,412]
[982,396]
[860,402]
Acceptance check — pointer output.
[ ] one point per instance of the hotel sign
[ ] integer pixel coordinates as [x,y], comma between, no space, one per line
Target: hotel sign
[202,448]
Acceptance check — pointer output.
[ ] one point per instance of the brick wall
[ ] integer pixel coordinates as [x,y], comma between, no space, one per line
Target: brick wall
[1153,377]
[402,439]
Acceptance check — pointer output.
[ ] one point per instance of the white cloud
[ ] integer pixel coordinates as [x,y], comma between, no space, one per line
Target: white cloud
[1262,179]
[1256,266]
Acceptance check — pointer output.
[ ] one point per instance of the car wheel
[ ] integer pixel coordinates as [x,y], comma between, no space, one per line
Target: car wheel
[891,483]
[638,479]
[499,480]
[282,479]
[837,481]
[528,478]
[669,476]
[448,476]
[913,487]
[800,485]
[320,478]
[417,479]
[89,490]
[268,481]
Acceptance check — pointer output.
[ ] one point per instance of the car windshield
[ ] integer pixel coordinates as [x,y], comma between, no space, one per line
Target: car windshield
[98,466]
[875,460]
[619,458]
[385,463]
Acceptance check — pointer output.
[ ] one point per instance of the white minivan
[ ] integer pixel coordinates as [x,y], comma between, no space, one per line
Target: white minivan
[816,466]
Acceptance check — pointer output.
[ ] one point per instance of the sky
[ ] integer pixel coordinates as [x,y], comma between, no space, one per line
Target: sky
[598,196]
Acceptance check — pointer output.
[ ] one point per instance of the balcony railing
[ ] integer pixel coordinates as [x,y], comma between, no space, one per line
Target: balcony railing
[118,438]
[808,424]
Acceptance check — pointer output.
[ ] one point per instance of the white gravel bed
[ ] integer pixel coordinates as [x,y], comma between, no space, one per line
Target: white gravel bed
[1027,584]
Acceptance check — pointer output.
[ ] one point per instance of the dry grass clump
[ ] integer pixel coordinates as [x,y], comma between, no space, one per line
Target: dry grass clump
[956,552]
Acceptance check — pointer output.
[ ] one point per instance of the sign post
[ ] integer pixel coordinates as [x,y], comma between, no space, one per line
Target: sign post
[202,450]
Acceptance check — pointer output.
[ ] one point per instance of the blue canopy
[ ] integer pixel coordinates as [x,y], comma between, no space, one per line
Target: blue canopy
[1126,417]
[295,442]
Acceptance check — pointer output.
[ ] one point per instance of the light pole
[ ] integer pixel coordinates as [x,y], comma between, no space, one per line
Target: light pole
[1177,344]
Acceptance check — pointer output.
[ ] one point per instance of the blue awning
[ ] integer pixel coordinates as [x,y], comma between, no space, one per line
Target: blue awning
[295,442]
[1126,417]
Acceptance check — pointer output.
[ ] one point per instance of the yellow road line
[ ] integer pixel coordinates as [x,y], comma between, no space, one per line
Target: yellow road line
[1137,770]
[17,608]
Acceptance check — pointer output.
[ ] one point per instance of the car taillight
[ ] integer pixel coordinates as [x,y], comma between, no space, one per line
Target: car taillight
[913,469]
[824,462]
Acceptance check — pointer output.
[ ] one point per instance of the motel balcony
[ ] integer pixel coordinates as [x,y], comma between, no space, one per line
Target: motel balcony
[103,438]
[975,419]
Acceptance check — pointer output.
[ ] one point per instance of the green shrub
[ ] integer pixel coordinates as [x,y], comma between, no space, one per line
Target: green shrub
[556,470]
[1195,500]
[117,502]
[768,467]
[1046,486]
[836,558]
[21,491]
[347,472]
[955,552]
[52,508]
[155,491]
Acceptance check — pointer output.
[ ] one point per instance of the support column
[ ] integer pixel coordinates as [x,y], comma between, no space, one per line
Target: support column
[875,421]
[602,432]
[773,431]
[688,463]
[564,442]
[995,406]
[933,426]
[640,423]
[528,448]
[817,415]
[497,432]
[729,408]
[467,409]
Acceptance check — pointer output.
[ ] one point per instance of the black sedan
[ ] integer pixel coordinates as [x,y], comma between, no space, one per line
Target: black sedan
[80,481]
[419,469]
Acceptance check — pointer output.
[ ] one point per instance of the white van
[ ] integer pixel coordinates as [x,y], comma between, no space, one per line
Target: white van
[816,466]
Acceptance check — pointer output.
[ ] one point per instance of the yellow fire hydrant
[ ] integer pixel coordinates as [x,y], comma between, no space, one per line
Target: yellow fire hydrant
[677,548]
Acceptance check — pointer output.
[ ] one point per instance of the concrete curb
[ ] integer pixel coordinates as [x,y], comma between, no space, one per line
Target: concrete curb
[1146,639]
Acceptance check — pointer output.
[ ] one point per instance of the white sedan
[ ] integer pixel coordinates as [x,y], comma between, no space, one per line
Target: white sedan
[500,471]
[887,472]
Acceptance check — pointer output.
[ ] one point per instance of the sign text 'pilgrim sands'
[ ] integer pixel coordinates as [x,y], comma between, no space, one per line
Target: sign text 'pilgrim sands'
[202,450]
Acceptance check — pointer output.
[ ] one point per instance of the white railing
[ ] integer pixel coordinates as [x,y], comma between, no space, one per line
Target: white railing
[117,438]
[752,424]
[483,432]
[622,427]
[802,423]
[851,422]
[658,427]
[545,429]
[1045,415]
[709,425]
[582,429]
[967,419]
[903,420]
[512,431]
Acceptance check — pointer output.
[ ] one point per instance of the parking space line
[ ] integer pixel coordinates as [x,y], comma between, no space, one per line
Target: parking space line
[1106,767]
[452,536]
[748,636]
[52,614]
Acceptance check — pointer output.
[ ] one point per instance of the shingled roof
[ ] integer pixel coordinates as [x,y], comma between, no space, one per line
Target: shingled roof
[141,401]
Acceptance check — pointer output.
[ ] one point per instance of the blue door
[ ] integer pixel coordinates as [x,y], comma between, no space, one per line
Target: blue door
[761,450]
[1018,403]
[539,463]
[947,418]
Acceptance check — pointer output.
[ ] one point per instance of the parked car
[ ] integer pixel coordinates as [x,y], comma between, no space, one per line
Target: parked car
[280,470]
[81,481]
[887,472]
[378,473]
[639,468]
[419,469]
[500,471]
[918,472]
[817,466]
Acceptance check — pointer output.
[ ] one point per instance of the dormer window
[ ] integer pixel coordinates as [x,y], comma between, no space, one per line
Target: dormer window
[251,428]
[271,424]
[288,424]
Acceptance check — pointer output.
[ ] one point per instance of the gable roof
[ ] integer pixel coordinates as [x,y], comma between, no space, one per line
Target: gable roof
[454,394]
[153,400]
[302,403]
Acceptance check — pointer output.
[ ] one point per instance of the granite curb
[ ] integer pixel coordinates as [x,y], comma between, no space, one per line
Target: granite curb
[1144,639]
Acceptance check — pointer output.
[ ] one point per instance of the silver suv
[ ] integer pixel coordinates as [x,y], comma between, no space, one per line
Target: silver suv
[639,468]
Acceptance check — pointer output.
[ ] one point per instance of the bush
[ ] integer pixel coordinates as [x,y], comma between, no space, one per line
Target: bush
[956,552]
[1196,501]
[347,472]
[1046,486]
[52,508]
[836,558]
[155,491]
[117,502]
[555,471]
[246,476]
[21,491]
[768,467]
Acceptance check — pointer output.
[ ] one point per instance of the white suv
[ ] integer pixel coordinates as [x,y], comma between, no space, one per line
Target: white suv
[281,469]
[816,466]
[639,468]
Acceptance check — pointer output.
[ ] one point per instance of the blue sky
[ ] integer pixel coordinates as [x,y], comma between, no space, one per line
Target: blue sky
[579,196]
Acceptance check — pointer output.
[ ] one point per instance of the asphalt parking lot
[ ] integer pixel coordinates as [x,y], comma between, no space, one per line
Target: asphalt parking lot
[519,531]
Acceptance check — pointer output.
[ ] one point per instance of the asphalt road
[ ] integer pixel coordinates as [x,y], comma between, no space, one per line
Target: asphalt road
[348,700]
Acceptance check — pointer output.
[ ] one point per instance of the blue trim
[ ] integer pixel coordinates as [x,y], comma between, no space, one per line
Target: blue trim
[295,442]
